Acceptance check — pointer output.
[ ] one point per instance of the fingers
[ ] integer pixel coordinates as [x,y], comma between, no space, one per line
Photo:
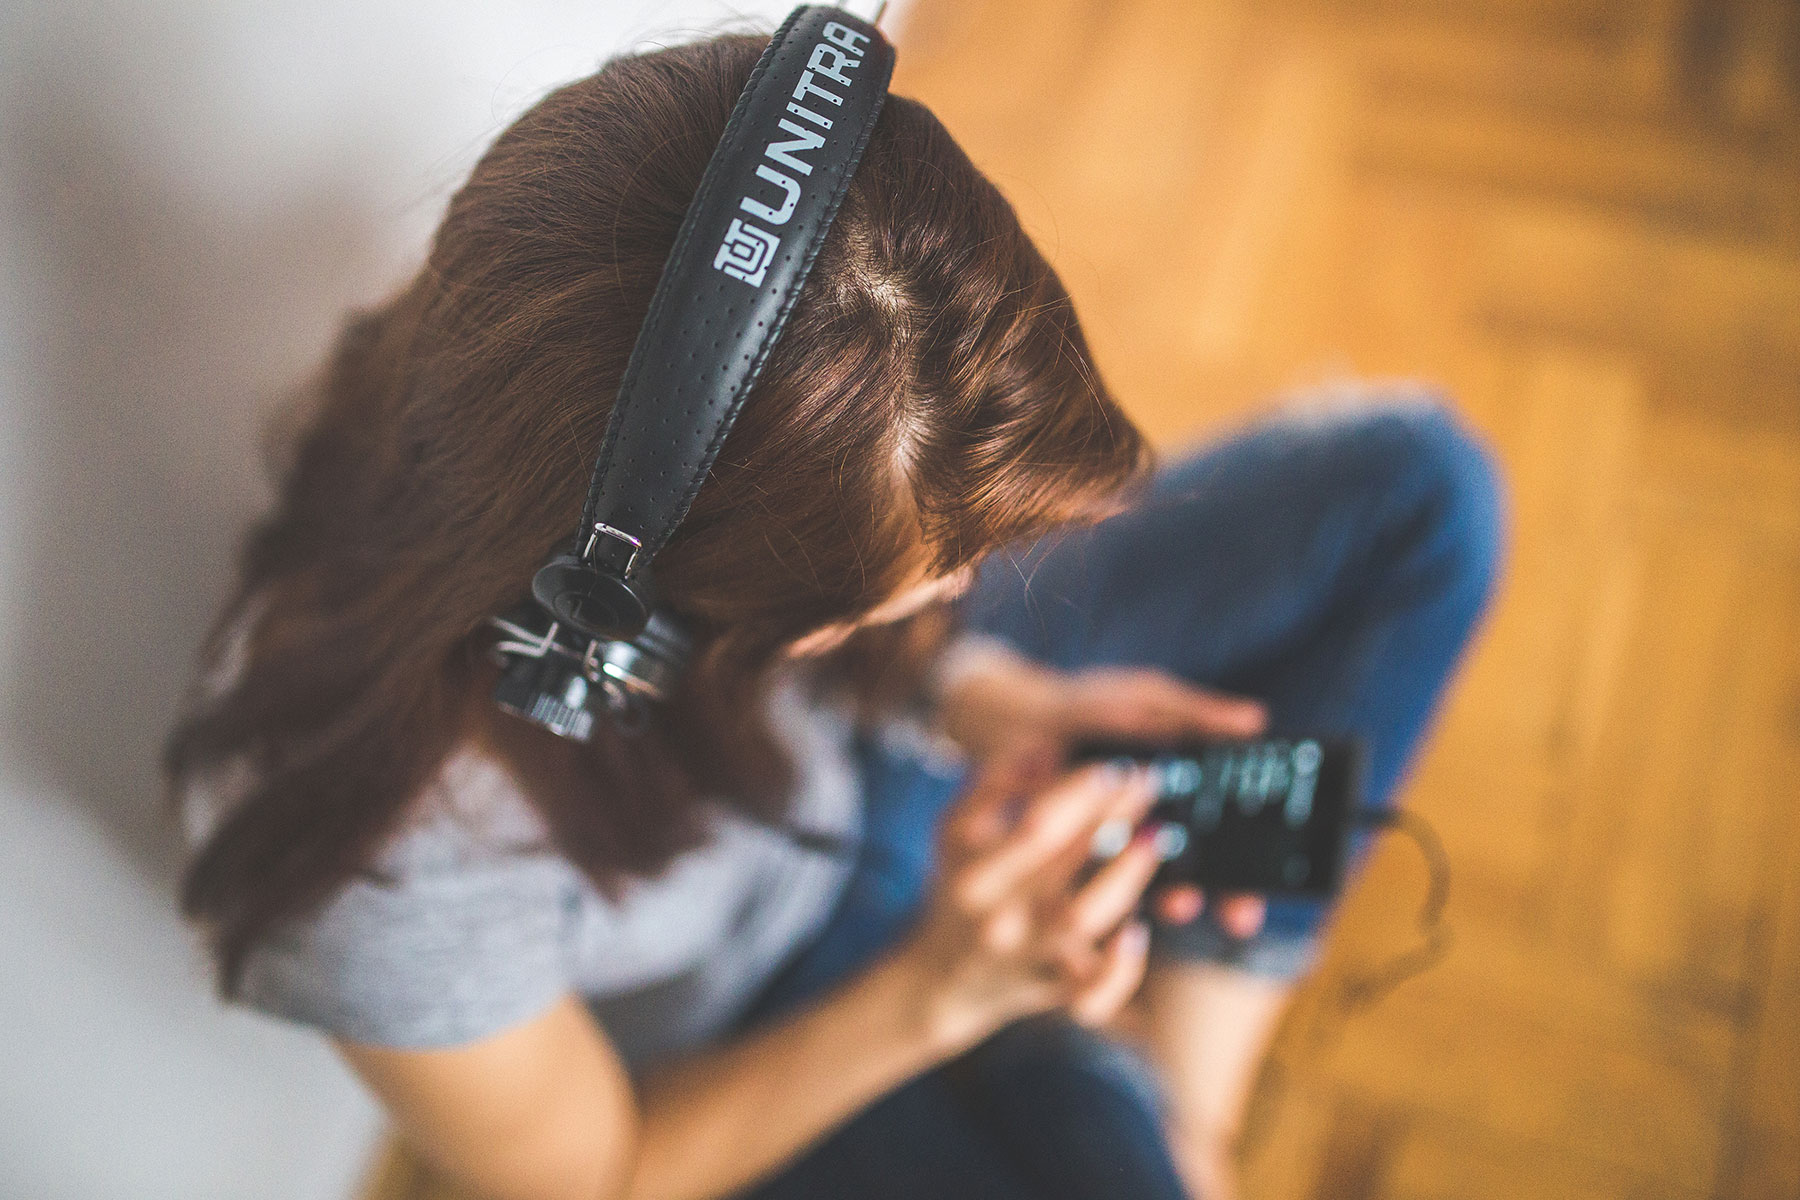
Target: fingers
[1109,897]
[1109,836]
[1120,971]
[986,810]
[1242,915]
[1055,831]
[1107,982]
[1238,715]
[1190,709]
[1149,704]
[1176,709]
[1179,903]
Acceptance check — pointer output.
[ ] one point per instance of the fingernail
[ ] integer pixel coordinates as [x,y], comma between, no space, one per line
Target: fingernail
[1136,937]
[1170,839]
[1132,778]
[1111,838]
[1166,839]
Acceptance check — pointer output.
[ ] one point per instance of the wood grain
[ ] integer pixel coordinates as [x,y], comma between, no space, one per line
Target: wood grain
[1582,219]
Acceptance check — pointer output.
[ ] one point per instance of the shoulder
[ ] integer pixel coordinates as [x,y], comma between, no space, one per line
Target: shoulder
[456,931]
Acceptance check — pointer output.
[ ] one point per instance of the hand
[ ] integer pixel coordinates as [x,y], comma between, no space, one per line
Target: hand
[1012,927]
[993,701]
[998,705]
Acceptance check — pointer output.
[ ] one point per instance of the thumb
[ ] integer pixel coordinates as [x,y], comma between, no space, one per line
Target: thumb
[1154,704]
[1217,712]
[985,811]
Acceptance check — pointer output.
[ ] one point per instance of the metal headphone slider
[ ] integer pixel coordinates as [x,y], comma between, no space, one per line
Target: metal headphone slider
[602,529]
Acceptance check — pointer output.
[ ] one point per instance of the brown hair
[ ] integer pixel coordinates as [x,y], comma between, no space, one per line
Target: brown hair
[931,399]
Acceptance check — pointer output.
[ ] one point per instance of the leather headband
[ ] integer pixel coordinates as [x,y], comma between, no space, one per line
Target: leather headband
[738,265]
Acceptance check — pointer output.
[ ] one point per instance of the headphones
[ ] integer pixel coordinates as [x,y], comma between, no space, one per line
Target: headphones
[592,634]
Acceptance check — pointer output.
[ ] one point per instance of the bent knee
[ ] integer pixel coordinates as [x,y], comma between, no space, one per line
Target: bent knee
[1406,454]
[1462,495]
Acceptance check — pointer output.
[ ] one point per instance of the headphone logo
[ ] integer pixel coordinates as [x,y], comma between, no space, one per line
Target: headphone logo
[747,250]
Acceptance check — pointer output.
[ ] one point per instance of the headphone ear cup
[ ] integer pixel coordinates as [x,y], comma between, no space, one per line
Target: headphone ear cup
[598,603]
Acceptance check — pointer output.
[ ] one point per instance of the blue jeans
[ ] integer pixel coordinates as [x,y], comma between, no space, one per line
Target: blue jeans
[1332,564]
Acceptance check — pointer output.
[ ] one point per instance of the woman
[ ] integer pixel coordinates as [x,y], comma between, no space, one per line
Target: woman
[719,955]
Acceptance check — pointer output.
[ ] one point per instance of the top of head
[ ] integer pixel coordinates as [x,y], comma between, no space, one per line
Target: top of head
[737,268]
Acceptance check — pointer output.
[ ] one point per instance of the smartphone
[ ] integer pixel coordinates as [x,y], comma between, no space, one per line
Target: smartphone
[1269,815]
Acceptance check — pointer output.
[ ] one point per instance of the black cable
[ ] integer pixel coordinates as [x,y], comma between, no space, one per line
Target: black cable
[812,841]
[1360,992]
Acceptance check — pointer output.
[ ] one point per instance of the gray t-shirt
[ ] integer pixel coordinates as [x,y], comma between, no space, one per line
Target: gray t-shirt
[478,924]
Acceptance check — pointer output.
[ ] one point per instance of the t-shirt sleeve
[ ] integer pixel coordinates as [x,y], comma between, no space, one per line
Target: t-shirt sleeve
[427,958]
[459,933]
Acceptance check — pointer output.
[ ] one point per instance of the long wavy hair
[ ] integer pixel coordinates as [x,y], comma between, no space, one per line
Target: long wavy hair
[931,400]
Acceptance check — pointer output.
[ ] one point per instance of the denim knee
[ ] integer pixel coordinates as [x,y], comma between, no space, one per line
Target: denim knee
[1436,480]
[1463,497]
[1455,484]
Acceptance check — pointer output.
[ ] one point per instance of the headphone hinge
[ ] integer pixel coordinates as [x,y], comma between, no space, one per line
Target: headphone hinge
[601,529]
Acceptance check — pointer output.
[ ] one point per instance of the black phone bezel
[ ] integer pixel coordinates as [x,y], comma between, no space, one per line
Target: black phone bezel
[1326,836]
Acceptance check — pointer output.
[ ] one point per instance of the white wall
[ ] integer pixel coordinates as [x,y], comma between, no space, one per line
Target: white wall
[191,193]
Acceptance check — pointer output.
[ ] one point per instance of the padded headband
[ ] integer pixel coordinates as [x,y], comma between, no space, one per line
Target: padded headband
[739,263]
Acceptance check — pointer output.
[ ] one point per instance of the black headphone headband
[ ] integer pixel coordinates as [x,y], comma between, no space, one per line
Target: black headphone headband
[739,262]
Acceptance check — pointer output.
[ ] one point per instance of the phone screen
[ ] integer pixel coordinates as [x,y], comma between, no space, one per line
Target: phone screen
[1269,815]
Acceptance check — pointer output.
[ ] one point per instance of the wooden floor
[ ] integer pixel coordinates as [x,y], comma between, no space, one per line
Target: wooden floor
[1582,217]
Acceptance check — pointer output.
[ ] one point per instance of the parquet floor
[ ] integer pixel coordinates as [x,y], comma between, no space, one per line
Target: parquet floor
[1582,217]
